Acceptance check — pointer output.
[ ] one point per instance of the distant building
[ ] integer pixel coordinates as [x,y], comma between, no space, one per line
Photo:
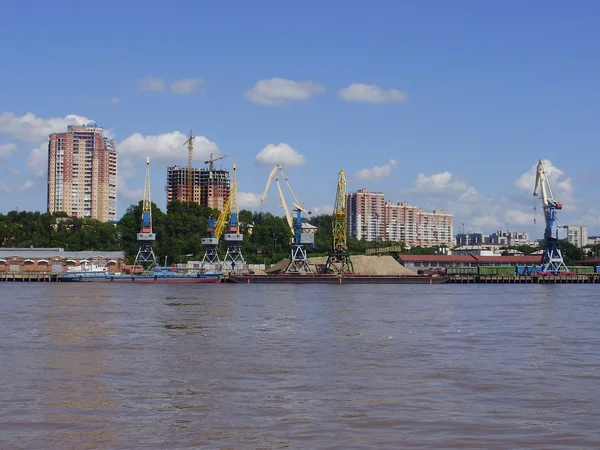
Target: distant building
[577,235]
[210,187]
[510,238]
[82,173]
[371,218]
[593,240]
[472,238]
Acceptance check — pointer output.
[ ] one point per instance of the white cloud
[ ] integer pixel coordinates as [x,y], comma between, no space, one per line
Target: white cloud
[152,84]
[369,93]
[28,127]
[127,171]
[279,91]
[560,183]
[187,86]
[167,146]
[282,154]
[37,161]
[440,183]
[29,184]
[518,217]
[326,209]
[248,200]
[6,150]
[485,222]
[114,101]
[376,173]
[4,187]
[14,171]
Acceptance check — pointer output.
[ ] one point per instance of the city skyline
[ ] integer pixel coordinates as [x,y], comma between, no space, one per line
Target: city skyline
[449,111]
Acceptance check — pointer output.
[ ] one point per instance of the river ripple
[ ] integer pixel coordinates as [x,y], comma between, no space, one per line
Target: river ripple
[282,366]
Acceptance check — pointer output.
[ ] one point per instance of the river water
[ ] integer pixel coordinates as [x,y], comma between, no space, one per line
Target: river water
[96,366]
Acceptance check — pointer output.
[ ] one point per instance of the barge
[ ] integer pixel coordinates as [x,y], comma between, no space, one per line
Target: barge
[336,279]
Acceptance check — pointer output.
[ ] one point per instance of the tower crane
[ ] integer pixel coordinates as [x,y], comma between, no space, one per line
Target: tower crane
[211,161]
[552,260]
[189,196]
[339,259]
[298,262]
[145,256]
[211,260]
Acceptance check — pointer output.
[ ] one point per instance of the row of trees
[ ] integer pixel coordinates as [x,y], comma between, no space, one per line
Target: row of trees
[180,230]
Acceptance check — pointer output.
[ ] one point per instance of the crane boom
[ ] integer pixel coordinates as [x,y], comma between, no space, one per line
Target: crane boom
[288,217]
[340,225]
[212,160]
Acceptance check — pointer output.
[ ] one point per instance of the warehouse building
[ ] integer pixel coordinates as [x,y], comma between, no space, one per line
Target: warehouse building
[55,260]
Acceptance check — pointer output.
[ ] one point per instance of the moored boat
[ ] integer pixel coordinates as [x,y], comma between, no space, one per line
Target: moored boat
[158,275]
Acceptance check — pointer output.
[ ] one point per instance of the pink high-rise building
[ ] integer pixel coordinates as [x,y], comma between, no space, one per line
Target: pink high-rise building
[82,173]
[366,215]
[370,218]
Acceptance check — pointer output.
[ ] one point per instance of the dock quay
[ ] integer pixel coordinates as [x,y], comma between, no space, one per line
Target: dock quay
[40,277]
[524,279]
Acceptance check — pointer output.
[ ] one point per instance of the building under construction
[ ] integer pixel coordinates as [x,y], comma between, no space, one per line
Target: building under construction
[210,188]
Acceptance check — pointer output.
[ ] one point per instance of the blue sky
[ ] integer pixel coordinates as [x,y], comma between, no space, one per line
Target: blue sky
[446,104]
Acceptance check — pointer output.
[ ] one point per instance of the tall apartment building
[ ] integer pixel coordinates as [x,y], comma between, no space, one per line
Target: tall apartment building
[366,215]
[82,173]
[210,187]
[370,217]
[577,236]
[416,227]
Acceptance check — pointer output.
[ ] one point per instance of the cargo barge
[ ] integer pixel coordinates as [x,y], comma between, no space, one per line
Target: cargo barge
[335,279]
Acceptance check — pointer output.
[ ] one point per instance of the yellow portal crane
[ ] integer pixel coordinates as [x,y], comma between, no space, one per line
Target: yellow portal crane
[234,259]
[339,258]
[189,195]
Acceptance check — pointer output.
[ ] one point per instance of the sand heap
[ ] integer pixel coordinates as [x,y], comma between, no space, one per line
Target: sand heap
[363,265]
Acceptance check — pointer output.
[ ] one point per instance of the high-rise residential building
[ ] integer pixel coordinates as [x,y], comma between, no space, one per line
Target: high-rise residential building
[577,236]
[210,187]
[415,227]
[370,218]
[82,173]
[366,215]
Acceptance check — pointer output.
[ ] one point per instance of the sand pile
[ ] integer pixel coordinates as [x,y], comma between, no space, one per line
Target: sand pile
[363,265]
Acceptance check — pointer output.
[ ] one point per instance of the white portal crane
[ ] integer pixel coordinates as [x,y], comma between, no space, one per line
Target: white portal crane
[298,262]
[552,260]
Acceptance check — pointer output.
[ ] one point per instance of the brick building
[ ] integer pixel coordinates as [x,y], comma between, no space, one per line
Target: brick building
[55,260]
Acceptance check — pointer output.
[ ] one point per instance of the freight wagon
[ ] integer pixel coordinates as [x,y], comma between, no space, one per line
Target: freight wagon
[515,270]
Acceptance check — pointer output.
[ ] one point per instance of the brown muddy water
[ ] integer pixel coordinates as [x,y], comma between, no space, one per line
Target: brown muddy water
[96,366]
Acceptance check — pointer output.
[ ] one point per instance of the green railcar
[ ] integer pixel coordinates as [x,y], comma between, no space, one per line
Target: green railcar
[497,270]
[581,269]
[461,271]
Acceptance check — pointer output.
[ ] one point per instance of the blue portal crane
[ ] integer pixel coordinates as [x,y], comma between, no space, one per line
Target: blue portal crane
[552,260]
[145,256]
[299,262]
